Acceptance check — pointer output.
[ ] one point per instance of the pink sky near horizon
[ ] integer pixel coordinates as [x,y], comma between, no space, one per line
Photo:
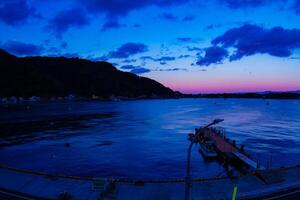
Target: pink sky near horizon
[231,86]
[230,90]
[252,74]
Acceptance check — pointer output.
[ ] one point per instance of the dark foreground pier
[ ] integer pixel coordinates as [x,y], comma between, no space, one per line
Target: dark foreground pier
[21,184]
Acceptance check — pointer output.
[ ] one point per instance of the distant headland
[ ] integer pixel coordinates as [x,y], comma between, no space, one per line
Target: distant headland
[38,77]
[60,78]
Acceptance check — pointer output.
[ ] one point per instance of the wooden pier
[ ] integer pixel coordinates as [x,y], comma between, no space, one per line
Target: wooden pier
[228,151]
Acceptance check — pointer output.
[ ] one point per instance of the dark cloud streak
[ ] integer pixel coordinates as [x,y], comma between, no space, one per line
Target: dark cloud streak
[185,39]
[188,18]
[212,55]
[168,16]
[117,8]
[22,49]
[237,4]
[140,70]
[15,12]
[128,49]
[64,20]
[129,67]
[252,39]
[111,24]
[165,58]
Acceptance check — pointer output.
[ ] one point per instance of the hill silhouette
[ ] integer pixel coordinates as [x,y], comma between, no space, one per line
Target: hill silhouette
[60,76]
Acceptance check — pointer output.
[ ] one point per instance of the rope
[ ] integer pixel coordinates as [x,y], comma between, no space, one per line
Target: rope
[118,180]
[168,180]
[134,181]
[45,173]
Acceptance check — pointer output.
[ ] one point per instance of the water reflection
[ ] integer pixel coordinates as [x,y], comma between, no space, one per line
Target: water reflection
[146,138]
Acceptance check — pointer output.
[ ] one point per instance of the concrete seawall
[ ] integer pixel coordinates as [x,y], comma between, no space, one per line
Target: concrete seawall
[277,184]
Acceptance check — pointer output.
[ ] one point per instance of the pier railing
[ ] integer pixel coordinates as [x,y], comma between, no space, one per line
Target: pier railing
[218,130]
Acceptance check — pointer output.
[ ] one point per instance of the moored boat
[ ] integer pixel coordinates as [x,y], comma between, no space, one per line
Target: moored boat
[207,149]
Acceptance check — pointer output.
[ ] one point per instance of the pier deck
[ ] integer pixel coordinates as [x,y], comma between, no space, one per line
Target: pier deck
[221,144]
[225,147]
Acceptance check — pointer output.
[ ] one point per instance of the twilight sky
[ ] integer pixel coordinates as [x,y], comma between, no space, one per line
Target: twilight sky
[194,46]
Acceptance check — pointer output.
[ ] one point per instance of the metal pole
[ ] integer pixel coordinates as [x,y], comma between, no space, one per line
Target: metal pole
[188,164]
[188,176]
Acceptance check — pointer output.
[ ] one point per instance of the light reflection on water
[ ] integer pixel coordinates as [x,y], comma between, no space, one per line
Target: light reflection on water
[148,138]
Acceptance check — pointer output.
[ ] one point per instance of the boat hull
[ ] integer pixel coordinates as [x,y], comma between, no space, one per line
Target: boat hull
[207,153]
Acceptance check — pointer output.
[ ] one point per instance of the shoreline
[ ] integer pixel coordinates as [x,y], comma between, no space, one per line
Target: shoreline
[13,100]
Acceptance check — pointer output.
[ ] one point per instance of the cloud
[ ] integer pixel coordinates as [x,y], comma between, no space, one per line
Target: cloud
[119,8]
[135,69]
[165,58]
[66,55]
[129,60]
[128,49]
[251,39]
[168,16]
[53,50]
[184,39]
[115,9]
[241,4]
[98,58]
[129,67]
[22,49]
[173,69]
[14,12]
[296,7]
[188,18]
[140,70]
[183,56]
[295,58]
[66,19]
[115,64]
[111,24]
[146,58]
[212,26]
[194,49]
[209,27]
[236,4]
[64,45]
[177,69]
[212,55]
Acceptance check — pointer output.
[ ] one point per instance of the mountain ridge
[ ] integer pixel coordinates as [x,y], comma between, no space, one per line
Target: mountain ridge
[60,76]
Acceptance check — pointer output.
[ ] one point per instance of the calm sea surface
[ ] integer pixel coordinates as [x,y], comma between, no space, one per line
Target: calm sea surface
[148,138]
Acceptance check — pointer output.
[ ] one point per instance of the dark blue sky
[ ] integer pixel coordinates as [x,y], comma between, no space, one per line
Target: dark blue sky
[188,45]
